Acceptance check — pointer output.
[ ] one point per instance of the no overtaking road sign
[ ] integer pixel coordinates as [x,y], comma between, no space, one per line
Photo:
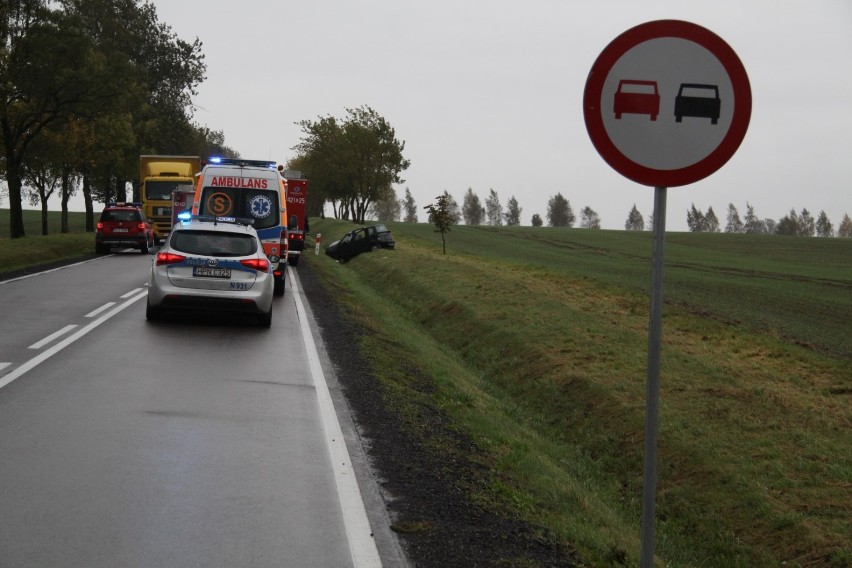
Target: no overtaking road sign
[667,103]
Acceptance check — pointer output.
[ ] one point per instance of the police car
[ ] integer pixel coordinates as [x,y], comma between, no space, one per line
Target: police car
[212,264]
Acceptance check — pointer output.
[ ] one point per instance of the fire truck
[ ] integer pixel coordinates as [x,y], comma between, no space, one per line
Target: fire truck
[160,177]
[297,222]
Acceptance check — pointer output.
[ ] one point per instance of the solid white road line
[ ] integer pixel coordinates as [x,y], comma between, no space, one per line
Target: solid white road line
[106,306]
[4,365]
[52,336]
[48,353]
[362,545]
[51,270]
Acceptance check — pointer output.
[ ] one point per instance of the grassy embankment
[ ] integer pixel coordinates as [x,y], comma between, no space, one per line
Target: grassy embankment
[36,248]
[535,342]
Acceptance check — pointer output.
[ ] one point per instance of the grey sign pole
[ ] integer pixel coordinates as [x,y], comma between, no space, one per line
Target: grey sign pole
[652,410]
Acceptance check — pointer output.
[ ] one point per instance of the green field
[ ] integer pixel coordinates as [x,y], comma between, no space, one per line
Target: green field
[534,341]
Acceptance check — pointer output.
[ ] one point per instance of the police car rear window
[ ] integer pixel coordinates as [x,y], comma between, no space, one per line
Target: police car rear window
[258,204]
[214,243]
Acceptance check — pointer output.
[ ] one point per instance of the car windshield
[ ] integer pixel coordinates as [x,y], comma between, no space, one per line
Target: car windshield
[214,243]
[162,190]
[120,215]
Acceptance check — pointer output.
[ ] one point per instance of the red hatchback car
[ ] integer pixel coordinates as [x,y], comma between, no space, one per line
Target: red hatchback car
[123,225]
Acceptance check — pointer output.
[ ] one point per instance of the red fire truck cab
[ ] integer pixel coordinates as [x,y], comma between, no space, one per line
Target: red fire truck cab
[297,218]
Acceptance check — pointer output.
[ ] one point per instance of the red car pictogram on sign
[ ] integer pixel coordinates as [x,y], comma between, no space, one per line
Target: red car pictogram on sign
[636,97]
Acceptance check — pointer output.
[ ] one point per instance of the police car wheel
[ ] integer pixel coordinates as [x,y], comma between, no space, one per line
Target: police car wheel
[152,313]
[265,320]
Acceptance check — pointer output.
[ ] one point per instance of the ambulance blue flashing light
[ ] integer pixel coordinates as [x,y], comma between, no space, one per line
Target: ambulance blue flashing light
[218,160]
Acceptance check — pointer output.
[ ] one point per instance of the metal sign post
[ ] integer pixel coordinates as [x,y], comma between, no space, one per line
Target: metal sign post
[652,412]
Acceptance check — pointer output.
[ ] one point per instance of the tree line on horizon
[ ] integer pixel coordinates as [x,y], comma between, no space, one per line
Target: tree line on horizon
[561,214]
[86,87]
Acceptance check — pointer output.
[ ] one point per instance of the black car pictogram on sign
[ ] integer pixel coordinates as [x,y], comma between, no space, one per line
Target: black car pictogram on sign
[700,101]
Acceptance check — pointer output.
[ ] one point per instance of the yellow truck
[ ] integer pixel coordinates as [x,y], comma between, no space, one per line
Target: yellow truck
[160,178]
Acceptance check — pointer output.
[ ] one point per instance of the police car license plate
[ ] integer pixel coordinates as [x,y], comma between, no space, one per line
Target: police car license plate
[208,272]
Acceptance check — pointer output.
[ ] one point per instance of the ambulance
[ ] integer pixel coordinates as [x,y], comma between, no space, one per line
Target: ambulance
[234,187]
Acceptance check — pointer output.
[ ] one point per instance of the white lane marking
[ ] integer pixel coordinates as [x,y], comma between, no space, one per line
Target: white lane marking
[124,297]
[362,545]
[51,270]
[52,336]
[106,306]
[4,365]
[48,353]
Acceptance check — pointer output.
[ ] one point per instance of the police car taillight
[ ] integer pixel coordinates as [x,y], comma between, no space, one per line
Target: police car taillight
[165,258]
[259,264]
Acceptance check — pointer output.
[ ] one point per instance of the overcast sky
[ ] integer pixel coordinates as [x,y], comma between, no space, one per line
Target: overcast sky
[488,94]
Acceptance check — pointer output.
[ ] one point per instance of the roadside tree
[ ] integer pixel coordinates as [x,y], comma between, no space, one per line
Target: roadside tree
[711,222]
[559,212]
[353,162]
[845,228]
[536,220]
[493,209]
[734,225]
[410,207]
[752,223]
[472,209]
[589,219]
[824,228]
[513,212]
[807,224]
[789,225]
[387,208]
[695,220]
[635,221]
[441,215]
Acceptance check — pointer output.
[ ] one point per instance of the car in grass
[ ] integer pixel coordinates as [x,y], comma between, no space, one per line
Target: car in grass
[215,265]
[123,225]
[364,239]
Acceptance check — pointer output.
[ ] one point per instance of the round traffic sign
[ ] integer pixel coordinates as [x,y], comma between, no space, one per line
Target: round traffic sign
[667,103]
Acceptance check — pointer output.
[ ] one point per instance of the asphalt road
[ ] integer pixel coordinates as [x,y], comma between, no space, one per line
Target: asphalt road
[194,441]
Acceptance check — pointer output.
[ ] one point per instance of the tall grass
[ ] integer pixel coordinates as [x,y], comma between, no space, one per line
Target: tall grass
[535,343]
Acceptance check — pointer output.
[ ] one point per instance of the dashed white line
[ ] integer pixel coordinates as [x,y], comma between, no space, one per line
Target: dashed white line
[134,291]
[106,306]
[51,351]
[4,365]
[52,336]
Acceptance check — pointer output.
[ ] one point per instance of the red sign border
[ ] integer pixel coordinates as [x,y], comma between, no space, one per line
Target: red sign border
[628,40]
